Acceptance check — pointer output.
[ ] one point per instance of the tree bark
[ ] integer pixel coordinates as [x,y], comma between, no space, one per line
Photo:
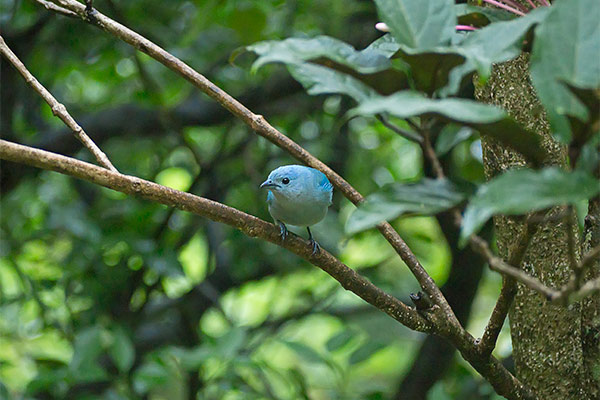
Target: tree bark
[551,352]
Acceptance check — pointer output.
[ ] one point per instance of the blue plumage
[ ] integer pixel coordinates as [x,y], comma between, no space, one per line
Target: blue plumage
[298,195]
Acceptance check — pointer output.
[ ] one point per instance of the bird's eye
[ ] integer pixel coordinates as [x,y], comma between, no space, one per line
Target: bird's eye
[285,181]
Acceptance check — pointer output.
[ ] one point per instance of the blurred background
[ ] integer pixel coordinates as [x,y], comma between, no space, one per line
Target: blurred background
[105,296]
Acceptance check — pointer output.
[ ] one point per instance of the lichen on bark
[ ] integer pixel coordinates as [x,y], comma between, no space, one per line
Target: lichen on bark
[552,351]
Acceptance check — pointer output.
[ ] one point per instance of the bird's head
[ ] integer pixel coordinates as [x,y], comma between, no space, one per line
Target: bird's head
[284,180]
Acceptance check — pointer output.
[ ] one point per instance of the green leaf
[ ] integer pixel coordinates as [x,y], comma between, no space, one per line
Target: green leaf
[87,347]
[450,136]
[364,352]
[295,51]
[321,80]
[307,353]
[521,191]
[165,263]
[230,344]
[589,159]
[428,196]
[487,119]
[419,24]
[121,350]
[150,375]
[340,339]
[192,359]
[483,48]
[566,50]
[430,69]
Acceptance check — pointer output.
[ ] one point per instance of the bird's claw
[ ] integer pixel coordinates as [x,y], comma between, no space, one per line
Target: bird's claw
[315,246]
[282,231]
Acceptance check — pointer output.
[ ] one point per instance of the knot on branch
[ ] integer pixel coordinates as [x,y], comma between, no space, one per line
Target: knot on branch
[58,109]
[421,301]
[257,121]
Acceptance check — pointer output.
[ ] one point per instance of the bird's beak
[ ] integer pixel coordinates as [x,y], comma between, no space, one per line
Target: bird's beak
[269,184]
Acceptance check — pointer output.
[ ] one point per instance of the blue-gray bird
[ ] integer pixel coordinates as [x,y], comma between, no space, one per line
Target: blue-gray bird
[299,196]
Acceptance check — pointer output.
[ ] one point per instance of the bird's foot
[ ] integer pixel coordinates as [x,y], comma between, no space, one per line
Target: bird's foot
[315,246]
[283,232]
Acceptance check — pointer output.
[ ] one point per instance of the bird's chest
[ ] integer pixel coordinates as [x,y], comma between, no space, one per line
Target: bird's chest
[299,209]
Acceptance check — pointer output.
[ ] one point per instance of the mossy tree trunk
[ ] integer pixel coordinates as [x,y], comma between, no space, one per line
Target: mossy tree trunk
[555,348]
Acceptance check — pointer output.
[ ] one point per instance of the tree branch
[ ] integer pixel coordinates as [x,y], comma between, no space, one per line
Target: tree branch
[404,133]
[53,7]
[248,224]
[58,109]
[260,125]
[497,264]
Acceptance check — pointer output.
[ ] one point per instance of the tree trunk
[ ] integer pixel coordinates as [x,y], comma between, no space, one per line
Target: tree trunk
[555,348]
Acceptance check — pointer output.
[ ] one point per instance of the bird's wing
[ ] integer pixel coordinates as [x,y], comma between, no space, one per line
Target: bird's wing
[324,183]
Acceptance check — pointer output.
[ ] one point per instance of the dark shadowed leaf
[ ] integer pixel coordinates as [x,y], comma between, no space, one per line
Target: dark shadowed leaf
[428,196]
[566,50]
[165,263]
[340,339]
[487,119]
[419,24]
[480,16]
[364,352]
[307,353]
[430,69]
[521,191]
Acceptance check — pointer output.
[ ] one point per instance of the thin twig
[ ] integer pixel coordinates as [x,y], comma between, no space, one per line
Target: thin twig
[497,264]
[248,224]
[505,7]
[429,152]
[516,5]
[57,9]
[58,109]
[404,133]
[260,125]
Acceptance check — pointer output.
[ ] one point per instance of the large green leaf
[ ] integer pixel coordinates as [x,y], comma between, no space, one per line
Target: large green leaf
[419,24]
[295,50]
[521,191]
[317,79]
[430,69]
[495,43]
[428,196]
[487,119]
[566,50]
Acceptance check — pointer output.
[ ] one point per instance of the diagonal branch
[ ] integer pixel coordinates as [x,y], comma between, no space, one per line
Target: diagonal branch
[53,7]
[58,109]
[248,224]
[264,129]
[497,264]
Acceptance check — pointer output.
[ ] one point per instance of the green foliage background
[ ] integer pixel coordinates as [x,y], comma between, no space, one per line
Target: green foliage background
[105,296]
